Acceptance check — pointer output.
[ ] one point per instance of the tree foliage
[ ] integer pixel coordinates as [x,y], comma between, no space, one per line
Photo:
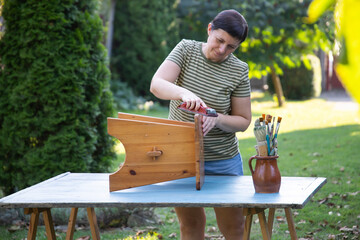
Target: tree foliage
[54,95]
[277,32]
[347,20]
[144,33]
[278,35]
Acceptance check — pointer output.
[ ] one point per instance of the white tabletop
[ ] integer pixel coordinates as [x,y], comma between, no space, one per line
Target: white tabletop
[92,190]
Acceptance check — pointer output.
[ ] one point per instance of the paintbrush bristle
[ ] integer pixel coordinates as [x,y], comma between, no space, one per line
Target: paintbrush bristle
[279,119]
[257,122]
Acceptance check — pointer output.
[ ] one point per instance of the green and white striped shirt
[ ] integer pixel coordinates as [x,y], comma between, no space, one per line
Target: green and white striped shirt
[215,84]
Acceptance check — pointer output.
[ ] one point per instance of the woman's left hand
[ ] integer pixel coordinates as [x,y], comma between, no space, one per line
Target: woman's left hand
[208,123]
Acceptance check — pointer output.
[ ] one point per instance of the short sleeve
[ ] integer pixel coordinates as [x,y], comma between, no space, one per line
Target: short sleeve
[243,88]
[177,55]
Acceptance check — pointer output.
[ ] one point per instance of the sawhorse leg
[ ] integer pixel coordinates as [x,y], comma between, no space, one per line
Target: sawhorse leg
[266,227]
[34,220]
[271,220]
[248,222]
[93,224]
[249,212]
[291,225]
[92,221]
[49,225]
[71,224]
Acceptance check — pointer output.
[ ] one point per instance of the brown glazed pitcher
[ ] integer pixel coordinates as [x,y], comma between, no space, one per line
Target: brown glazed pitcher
[266,177]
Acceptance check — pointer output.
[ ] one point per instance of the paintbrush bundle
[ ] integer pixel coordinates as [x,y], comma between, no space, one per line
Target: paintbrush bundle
[266,135]
[260,135]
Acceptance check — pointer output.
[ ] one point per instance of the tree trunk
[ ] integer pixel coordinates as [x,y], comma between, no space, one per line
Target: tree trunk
[277,84]
[111,28]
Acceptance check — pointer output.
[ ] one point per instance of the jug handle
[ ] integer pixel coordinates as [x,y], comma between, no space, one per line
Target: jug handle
[250,165]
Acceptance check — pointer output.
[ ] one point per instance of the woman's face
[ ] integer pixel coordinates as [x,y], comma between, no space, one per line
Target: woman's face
[219,45]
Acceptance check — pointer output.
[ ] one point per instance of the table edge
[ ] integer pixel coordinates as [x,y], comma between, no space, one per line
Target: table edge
[33,186]
[312,189]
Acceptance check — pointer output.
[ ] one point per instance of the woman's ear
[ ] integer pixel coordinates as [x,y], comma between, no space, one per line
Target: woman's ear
[209,28]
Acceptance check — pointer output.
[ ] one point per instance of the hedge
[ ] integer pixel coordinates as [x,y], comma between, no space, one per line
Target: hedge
[54,92]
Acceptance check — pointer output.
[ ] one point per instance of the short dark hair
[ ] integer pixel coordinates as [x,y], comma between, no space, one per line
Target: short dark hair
[232,22]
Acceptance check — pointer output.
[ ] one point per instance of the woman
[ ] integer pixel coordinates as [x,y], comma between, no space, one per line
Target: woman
[208,74]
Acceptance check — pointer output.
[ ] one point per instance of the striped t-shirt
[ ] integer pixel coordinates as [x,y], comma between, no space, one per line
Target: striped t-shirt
[215,84]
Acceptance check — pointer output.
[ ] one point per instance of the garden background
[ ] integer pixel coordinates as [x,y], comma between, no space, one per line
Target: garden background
[65,66]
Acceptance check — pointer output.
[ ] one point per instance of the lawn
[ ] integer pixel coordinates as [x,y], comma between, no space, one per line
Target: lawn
[317,138]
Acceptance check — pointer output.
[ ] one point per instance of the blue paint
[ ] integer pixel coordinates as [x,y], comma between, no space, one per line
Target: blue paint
[92,190]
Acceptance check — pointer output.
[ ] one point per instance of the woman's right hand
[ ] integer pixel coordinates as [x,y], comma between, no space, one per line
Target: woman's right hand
[192,101]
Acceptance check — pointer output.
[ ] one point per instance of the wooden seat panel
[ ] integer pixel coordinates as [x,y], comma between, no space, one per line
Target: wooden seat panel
[156,150]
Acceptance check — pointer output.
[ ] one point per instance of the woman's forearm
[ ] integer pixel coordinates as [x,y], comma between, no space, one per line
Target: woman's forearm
[231,123]
[238,120]
[227,123]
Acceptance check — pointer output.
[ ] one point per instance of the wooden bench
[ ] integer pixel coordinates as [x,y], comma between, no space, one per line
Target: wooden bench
[157,150]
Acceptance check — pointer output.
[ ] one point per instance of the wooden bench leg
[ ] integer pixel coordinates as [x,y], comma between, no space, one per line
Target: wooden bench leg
[291,225]
[71,224]
[93,223]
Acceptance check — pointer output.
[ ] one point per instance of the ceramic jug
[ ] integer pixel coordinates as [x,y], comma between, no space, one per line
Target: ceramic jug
[266,176]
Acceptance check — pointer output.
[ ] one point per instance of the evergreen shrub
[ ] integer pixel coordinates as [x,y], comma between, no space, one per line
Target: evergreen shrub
[125,96]
[297,83]
[54,92]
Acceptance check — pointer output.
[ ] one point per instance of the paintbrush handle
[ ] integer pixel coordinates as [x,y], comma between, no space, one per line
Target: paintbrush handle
[275,136]
[268,143]
[278,125]
[272,127]
[277,129]
[274,139]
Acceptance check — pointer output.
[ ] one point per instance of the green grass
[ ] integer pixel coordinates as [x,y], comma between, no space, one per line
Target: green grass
[316,138]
